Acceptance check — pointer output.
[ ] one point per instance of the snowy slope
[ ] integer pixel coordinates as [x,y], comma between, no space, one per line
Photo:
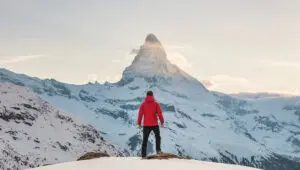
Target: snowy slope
[259,95]
[138,164]
[33,132]
[263,132]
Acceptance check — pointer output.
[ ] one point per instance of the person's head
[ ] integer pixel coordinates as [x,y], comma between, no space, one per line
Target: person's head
[149,93]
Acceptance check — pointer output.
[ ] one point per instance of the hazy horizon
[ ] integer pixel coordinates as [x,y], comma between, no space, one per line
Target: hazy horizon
[230,46]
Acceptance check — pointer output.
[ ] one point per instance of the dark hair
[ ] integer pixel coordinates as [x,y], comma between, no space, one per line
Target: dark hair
[149,93]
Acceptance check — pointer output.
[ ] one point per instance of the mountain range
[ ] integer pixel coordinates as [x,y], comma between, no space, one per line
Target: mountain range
[262,132]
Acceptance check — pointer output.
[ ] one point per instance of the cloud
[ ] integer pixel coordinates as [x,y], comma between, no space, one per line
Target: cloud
[179,59]
[221,81]
[226,79]
[17,59]
[208,84]
[233,84]
[174,54]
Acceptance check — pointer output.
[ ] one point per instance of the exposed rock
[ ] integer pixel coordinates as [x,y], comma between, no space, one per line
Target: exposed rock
[92,155]
[164,156]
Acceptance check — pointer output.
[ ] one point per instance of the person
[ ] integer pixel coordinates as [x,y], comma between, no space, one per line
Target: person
[149,111]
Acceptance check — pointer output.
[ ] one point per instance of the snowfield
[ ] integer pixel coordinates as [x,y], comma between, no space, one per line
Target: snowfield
[132,163]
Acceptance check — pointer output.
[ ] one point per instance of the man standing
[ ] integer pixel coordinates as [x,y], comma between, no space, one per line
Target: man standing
[149,110]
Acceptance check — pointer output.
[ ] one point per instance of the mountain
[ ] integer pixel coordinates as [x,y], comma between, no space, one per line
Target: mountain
[127,164]
[259,95]
[34,133]
[151,60]
[201,124]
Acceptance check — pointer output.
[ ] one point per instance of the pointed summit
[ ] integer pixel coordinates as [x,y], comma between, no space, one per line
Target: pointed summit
[152,60]
[151,38]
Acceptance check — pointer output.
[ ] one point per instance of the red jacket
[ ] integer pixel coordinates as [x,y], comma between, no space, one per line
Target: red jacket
[149,110]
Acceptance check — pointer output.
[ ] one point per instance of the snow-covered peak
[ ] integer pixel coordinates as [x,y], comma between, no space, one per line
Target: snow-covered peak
[151,38]
[152,60]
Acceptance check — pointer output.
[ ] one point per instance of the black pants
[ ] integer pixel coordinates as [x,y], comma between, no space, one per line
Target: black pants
[146,132]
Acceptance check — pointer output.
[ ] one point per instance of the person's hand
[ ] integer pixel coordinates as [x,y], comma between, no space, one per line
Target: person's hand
[162,125]
[139,126]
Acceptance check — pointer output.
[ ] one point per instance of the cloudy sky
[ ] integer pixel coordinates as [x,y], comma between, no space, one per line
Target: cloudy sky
[232,46]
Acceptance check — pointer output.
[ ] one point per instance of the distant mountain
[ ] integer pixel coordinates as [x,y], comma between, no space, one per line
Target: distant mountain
[35,133]
[260,95]
[201,124]
[151,60]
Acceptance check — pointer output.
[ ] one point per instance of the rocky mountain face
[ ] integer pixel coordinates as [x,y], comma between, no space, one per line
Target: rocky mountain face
[262,132]
[151,61]
[35,133]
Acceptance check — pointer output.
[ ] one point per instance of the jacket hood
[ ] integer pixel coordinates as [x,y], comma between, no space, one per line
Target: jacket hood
[149,99]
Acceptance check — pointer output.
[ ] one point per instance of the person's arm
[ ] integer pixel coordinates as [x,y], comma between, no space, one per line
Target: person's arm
[140,116]
[160,115]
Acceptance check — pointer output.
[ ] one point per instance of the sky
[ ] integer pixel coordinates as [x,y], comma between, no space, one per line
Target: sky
[231,46]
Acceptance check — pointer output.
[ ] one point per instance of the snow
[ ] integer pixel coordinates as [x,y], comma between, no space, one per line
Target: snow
[213,124]
[221,138]
[151,60]
[133,163]
[33,132]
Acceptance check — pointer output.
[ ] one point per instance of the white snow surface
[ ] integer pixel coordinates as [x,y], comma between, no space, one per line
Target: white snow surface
[138,164]
[34,133]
